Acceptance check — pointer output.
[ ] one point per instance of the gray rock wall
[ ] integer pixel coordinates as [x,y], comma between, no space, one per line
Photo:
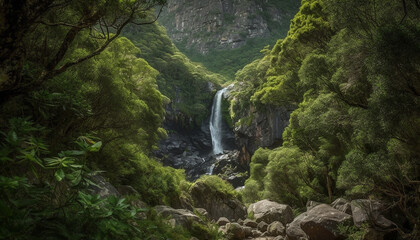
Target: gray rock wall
[221,24]
[265,130]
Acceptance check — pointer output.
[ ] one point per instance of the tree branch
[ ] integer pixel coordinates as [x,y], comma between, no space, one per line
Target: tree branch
[107,42]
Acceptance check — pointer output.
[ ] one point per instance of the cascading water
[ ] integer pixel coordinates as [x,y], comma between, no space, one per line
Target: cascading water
[216,126]
[216,122]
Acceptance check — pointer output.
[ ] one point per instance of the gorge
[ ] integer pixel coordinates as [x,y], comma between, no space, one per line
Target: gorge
[210,119]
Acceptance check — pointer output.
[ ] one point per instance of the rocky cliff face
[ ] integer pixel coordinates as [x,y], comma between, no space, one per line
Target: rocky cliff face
[190,148]
[264,128]
[204,25]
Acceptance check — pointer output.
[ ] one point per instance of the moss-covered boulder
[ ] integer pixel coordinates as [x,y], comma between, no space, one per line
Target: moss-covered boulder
[218,198]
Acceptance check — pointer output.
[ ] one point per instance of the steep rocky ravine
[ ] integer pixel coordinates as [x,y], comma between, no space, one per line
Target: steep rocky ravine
[112,133]
[201,26]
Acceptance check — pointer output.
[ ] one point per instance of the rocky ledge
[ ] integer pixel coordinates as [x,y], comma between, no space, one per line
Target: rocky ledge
[189,150]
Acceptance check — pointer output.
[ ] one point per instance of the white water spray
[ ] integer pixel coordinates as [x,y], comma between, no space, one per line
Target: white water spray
[216,122]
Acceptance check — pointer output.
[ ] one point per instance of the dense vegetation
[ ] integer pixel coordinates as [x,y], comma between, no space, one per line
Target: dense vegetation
[78,101]
[350,69]
[189,85]
[228,62]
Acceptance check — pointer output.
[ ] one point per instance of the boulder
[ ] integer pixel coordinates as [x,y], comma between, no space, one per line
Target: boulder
[234,231]
[247,231]
[217,204]
[203,212]
[256,233]
[127,190]
[311,204]
[227,166]
[262,226]
[102,187]
[141,205]
[320,223]
[138,203]
[278,238]
[342,205]
[250,223]
[178,217]
[369,211]
[293,230]
[182,202]
[185,219]
[225,162]
[237,179]
[269,212]
[276,228]
[222,221]
[185,149]
[222,230]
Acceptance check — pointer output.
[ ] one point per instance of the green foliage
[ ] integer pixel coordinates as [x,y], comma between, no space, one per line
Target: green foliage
[36,49]
[184,82]
[218,185]
[254,185]
[285,175]
[291,177]
[355,127]
[354,232]
[210,231]
[228,62]
[52,201]
[309,30]
[155,183]
[112,96]
[124,108]
[226,113]
[248,80]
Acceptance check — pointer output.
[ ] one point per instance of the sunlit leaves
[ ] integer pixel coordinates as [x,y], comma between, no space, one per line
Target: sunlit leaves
[12,182]
[59,174]
[185,83]
[357,112]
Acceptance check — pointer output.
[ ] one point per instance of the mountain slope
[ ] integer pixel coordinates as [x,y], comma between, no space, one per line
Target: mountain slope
[226,35]
[189,86]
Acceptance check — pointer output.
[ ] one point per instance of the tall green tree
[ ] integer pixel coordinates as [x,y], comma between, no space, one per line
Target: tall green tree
[355,128]
[37,35]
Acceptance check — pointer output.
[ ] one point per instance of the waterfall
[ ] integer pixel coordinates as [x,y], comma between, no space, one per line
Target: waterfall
[216,122]
[210,170]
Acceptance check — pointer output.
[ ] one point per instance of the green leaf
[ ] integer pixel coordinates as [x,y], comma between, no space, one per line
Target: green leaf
[76,166]
[95,147]
[59,175]
[52,162]
[73,153]
[75,177]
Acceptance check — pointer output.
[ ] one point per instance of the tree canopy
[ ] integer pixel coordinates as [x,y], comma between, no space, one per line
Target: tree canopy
[350,71]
